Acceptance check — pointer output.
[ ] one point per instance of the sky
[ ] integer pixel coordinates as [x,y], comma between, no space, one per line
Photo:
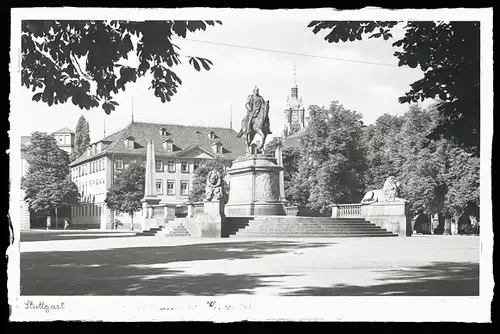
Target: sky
[207,97]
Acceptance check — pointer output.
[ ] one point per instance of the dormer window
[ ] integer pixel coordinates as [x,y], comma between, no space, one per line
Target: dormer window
[164,132]
[217,147]
[211,135]
[168,145]
[129,142]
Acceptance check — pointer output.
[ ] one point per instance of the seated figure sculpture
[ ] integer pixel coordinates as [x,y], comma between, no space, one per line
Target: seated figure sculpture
[389,193]
[215,187]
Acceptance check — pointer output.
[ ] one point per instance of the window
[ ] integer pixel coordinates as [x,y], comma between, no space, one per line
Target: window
[119,164]
[196,165]
[184,188]
[159,187]
[164,132]
[159,166]
[171,166]
[170,187]
[184,167]
[169,146]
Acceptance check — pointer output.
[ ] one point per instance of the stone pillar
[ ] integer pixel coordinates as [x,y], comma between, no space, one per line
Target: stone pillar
[335,211]
[190,210]
[447,225]
[279,159]
[392,216]
[212,219]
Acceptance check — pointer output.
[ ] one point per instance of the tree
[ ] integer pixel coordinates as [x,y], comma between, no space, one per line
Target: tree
[447,53]
[84,60]
[291,156]
[197,193]
[127,191]
[332,163]
[381,140]
[437,176]
[82,138]
[47,184]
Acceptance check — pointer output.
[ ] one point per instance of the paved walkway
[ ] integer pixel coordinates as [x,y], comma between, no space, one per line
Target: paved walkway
[92,264]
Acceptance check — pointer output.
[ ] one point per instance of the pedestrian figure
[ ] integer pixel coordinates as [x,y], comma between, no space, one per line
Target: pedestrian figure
[117,222]
[66,224]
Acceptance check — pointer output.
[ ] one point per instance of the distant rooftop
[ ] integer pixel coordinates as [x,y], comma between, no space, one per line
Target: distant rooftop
[183,138]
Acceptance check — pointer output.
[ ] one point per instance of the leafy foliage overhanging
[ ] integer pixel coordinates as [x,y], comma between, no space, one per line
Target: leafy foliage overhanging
[85,60]
[449,55]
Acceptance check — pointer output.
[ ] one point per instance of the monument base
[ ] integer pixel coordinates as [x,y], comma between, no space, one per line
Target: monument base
[209,224]
[392,216]
[149,221]
[255,187]
[255,209]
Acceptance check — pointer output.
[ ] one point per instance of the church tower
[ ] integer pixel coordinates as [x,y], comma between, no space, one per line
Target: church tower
[294,111]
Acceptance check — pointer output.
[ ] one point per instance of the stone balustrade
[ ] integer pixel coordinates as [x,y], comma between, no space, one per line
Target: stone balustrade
[196,209]
[346,210]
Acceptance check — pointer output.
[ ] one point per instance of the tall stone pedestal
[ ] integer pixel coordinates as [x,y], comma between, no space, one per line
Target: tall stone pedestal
[392,216]
[148,219]
[254,187]
[209,223]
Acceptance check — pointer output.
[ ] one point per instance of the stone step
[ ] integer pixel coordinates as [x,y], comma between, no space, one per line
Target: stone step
[268,227]
[177,231]
[320,235]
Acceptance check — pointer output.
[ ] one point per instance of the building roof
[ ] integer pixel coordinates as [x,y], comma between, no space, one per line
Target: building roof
[63,130]
[294,139]
[184,138]
[25,141]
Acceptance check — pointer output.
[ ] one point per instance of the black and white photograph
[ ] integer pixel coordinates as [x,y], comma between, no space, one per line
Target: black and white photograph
[226,164]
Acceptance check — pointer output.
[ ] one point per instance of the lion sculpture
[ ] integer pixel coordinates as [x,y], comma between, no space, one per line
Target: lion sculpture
[389,193]
[215,187]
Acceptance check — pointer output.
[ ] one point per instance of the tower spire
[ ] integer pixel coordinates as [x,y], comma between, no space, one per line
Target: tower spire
[294,77]
[231,117]
[132,109]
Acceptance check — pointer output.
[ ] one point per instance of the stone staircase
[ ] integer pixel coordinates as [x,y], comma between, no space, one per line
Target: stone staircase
[151,232]
[173,229]
[306,227]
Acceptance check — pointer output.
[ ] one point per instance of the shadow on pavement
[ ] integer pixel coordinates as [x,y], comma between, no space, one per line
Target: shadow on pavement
[62,235]
[435,279]
[132,271]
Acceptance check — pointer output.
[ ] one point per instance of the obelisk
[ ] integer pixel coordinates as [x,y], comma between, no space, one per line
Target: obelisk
[150,197]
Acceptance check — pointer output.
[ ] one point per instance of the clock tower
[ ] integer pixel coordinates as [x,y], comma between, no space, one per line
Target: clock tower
[294,112]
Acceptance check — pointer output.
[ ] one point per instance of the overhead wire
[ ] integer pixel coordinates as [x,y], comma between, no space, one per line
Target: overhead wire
[286,52]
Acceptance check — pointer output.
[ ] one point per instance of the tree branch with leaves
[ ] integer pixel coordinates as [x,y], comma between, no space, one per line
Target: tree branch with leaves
[448,53]
[83,60]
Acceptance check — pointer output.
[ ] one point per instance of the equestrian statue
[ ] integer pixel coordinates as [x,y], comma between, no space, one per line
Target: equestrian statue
[256,121]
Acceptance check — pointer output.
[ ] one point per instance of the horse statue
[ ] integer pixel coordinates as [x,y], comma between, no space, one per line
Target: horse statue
[259,124]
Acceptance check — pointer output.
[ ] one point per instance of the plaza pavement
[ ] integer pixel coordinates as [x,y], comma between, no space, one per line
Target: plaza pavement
[118,263]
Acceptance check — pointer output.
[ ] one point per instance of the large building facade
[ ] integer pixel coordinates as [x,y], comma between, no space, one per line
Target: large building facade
[65,139]
[179,150]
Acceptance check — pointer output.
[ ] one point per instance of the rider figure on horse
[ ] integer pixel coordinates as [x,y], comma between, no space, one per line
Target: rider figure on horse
[253,105]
